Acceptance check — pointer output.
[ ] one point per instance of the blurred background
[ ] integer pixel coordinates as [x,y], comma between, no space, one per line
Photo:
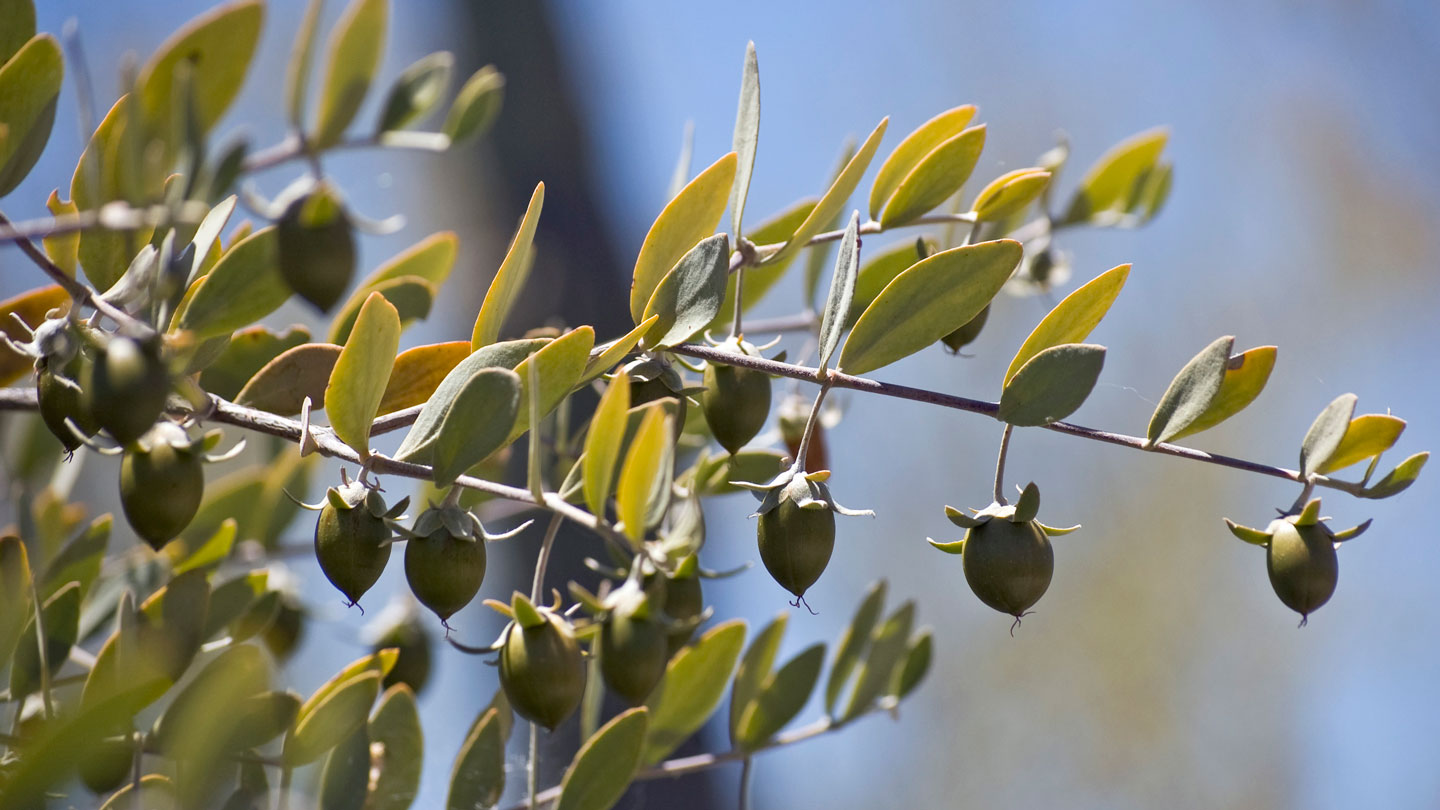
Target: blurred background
[1160,669]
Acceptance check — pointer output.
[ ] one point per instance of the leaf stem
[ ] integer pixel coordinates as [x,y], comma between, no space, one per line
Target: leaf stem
[81,292]
[537,587]
[804,451]
[1000,464]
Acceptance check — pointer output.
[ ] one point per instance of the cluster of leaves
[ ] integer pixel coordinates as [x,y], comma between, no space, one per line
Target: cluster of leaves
[171,342]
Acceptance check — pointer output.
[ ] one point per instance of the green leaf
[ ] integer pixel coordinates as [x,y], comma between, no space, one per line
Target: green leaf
[913,670]
[878,271]
[411,296]
[234,598]
[1009,194]
[754,671]
[1245,377]
[835,198]
[1191,392]
[1398,479]
[912,150]
[1325,434]
[176,616]
[784,694]
[605,764]
[321,725]
[604,359]
[213,551]
[191,723]
[476,106]
[842,291]
[510,277]
[716,474]
[689,296]
[691,216]
[1072,320]
[14,595]
[62,623]
[420,440]
[1368,436]
[761,279]
[478,778]
[247,352]
[418,371]
[78,561]
[432,259]
[281,386]
[297,72]
[477,424]
[213,51]
[19,17]
[346,775]
[888,648]
[602,443]
[358,381]
[29,87]
[355,48]
[854,643]
[1109,184]
[381,661]
[261,718]
[691,690]
[397,745]
[1052,385]
[416,91]
[63,249]
[560,363]
[927,302]
[747,136]
[935,178]
[244,287]
[641,471]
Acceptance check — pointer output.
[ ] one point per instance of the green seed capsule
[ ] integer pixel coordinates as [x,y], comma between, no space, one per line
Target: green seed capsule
[1008,565]
[1302,564]
[108,763]
[412,665]
[796,543]
[684,601]
[125,388]
[60,400]
[316,247]
[445,571]
[633,654]
[352,543]
[283,633]
[542,670]
[736,403]
[160,489]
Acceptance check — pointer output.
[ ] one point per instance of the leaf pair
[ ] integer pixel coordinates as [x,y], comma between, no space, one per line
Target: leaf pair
[929,166]
[889,661]
[763,700]
[1127,180]
[1211,388]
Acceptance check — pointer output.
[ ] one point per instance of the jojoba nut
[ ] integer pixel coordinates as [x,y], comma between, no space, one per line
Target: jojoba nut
[125,388]
[1302,564]
[542,670]
[160,490]
[1008,565]
[316,247]
[736,403]
[796,543]
[352,544]
[444,571]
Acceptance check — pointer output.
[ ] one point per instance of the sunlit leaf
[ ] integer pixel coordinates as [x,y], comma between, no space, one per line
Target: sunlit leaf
[1072,320]
[418,371]
[761,279]
[29,87]
[605,764]
[935,178]
[1108,185]
[358,381]
[1325,434]
[1398,479]
[102,176]
[912,150]
[30,307]
[604,359]
[321,725]
[835,198]
[62,248]
[155,792]
[19,17]
[411,296]
[510,278]
[1009,194]
[879,270]
[355,47]
[476,105]
[244,287]
[642,468]
[560,363]
[602,443]
[477,424]
[247,352]
[687,219]
[689,296]
[747,136]
[213,551]
[691,690]
[419,442]
[1245,377]
[416,91]
[1191,392]
[1052,385]
[282,384]
[1368,436]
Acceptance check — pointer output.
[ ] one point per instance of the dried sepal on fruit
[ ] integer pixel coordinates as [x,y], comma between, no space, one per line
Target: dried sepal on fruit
[1300,556]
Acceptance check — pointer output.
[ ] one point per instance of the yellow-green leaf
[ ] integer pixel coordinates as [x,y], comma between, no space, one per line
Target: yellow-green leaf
[887,650]
[560,364]
[1398,479]
[355,47]
[381,661]
[602,443]
[244,287]
[247,352]
[432,259]
[14,595]
[938,175]
[212,551]
[155,792]
[605,764]
[1009,194]
[478,777]
[62,623]
[282,384]
[879,270]
[692,688]
[1191,392]
[604,358]
[29,88]
[641,469]
[411,296]
[691,216]
[30,307]
[476,105]
[1109,184]
[835,197]
[397,748]
[416,91]
[908,154]
[781,698]
[1072,320]
[510,278]
[78,560]
[418,371]
[1245,377]
[836,310]
[62,248]
[1052,385]
[689,296]
[747,136]
[297,71]
[321,725]
[1368,436]
[477,423]
[358,381]
[19,17]
[927,302]
[1325,434]
[759,280]
[754,670]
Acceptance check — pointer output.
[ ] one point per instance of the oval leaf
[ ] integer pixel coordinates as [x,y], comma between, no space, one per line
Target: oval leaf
[397,751]
[322,725]
[62,624]
[690,295]
[887,651]
[1073,319]
[477,423]
[281,386]
[1245,377]
[755,670]
[854,643]
[247,352]
[834,199]
[605,764]
[514,269]
[916,665]
[938,175]
[346,776]
[478,778]
[641,471]
[785,693]
[687,219]
[29,87]
[1108,185]
[19,16]
[759,280]
[927,302]
[747,136]
[842,291]
[879,270]
[361,372]
[559,364]
[602,443]
[411,296]
[1052,385]
[1191,392]
[244,286]
[1325,434]
[1398,479]
[1368,436]
[602,359]
[476,105]
[912,150]
[355,47]
[417,373]
[1009,194]
[416,91]
[691,690]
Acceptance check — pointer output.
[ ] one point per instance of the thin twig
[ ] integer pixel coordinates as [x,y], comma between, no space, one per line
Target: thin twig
[83,295]
[1000,464]
[538,585]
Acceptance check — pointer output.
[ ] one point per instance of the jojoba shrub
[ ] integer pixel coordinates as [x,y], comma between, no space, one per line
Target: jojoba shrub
[144,651]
